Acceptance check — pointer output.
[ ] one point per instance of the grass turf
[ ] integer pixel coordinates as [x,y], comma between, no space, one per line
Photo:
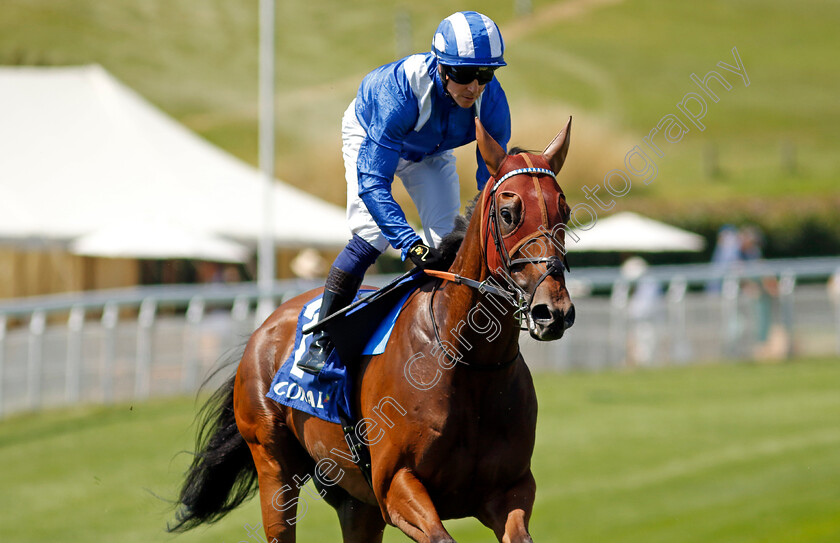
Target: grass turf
[723,453]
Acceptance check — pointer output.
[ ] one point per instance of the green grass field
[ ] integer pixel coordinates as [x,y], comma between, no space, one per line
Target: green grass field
[719,453]
[617,66]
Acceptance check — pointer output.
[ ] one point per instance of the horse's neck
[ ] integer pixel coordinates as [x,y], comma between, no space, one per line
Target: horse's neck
[481,326]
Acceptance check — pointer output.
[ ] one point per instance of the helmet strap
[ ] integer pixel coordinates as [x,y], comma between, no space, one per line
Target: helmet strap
[444,78]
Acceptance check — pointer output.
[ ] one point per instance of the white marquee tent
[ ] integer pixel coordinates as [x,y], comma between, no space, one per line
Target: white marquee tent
[80,151]
[630,232]
[157,240]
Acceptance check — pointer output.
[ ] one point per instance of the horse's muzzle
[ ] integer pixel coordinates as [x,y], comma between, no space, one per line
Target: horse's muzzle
[549,323]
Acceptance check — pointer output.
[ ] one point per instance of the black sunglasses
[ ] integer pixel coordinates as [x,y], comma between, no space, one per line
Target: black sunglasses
[464,75]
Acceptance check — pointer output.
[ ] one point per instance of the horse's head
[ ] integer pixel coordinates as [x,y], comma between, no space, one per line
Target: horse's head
[523,217]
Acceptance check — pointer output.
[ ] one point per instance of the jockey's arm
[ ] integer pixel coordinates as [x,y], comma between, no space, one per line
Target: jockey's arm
[376,167]
[375,192]
[393,116]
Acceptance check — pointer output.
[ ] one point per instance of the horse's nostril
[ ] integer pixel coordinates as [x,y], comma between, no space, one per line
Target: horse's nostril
[570,317]
[541,313]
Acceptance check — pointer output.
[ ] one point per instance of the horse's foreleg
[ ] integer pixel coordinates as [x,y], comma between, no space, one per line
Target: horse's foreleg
[280,500]
[507,513]
[360,522]
[411,510]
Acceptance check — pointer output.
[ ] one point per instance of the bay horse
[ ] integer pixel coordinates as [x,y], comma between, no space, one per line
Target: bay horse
[448,412]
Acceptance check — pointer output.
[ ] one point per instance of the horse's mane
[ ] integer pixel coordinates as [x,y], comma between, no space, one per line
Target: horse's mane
[451,242]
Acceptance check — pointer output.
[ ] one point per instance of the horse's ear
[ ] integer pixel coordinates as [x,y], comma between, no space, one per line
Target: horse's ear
[555,153]
[492,153]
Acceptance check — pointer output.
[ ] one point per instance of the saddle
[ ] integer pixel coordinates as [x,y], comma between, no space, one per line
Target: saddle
[364,326]
[361,328]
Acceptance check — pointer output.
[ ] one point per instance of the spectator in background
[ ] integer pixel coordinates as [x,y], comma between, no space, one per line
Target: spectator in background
[644,310]
[208,272]
[726,254]
[763,289]
[751,241]
[773,341]
[309,264]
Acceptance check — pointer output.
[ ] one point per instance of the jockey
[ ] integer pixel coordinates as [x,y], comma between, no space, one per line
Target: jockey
[406,119]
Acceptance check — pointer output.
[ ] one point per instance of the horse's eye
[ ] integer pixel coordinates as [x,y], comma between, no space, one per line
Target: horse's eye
[506,216]
[565,210]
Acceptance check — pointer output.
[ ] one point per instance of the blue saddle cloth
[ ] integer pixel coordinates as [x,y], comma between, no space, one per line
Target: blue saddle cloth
[364,330]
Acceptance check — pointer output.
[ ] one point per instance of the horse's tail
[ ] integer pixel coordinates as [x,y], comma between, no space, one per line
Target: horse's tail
[222,474]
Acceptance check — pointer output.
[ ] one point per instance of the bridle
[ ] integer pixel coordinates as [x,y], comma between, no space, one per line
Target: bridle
[505,252]
[504,258]
[500,261]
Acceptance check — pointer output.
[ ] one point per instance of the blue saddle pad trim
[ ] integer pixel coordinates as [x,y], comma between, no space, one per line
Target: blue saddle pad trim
[327,394]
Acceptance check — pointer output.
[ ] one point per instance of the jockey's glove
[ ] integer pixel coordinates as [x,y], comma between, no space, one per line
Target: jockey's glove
[423,257]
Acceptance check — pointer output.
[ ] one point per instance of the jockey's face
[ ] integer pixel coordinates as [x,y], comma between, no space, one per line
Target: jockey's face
[464,95]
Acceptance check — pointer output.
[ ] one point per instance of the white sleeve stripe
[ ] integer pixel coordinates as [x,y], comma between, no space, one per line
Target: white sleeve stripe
[463,35]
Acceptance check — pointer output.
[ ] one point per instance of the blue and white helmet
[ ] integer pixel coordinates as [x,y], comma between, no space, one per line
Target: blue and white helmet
[468,38]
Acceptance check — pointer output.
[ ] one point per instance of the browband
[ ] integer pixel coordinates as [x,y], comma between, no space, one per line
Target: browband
[523,170]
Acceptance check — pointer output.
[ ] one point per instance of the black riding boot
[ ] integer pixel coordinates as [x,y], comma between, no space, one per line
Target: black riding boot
[339,291]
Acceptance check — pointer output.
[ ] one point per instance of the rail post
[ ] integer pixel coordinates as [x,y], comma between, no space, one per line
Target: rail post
[730,319]
[192,343]
[72,383]
[110,319]
[37,325]
[143,364]
[239,318]
[787,285]
[619,298]
[680,348]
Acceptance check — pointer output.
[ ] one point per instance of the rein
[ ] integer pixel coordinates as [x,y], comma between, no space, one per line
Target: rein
[482,286]
[451,358]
